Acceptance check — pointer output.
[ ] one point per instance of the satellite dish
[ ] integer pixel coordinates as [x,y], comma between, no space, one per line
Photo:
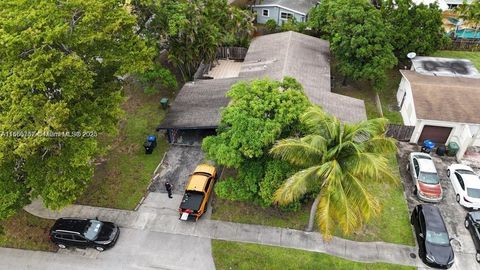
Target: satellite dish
[411,55]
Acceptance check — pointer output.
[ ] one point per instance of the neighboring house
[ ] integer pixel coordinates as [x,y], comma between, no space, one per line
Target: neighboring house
[443,4]
[441,98]
[282,10]
[198,105]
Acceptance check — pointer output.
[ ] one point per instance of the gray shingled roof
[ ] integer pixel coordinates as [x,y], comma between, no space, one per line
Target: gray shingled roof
[302,6]
[198,104]
[273,56]
[306,59]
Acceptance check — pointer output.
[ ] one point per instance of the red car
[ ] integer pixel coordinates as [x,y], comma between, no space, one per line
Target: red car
[425,177]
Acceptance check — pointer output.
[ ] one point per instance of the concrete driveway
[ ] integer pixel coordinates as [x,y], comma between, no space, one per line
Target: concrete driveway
[452,212]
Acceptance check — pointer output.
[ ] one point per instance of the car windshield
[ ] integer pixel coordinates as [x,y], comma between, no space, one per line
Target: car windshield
[92,229]
[428,178]
[437,238]
[473,193]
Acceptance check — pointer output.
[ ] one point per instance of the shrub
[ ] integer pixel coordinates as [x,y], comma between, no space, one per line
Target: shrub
[271,25]
[157,77]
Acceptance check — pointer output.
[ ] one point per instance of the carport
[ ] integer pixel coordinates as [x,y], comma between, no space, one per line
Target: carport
[196,112]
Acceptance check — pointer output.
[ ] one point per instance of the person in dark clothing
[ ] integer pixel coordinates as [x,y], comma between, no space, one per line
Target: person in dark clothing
[168,187]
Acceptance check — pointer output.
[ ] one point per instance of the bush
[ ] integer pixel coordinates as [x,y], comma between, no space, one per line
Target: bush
[271,25]
[157,77]
[276,172]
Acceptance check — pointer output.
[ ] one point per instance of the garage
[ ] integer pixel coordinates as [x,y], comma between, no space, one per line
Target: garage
[437,134]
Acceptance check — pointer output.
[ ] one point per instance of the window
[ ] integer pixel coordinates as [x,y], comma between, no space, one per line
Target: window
[207,185]
[286,15]
[460,180]
[63,236]
[78,238]
[417,167]
[266,13]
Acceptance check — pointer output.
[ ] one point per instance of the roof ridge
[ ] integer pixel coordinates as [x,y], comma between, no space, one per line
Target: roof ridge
[289,44]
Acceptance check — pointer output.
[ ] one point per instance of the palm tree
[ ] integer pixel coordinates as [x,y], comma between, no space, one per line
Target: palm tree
[338,161]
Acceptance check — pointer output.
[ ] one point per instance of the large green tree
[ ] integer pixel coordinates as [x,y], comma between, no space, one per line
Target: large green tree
[337,162]
[360,41]
[259,113]
[412,27]
[192,31]
[60,68]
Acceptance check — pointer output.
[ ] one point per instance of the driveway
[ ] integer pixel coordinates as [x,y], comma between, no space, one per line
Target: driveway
[452,212]
[179,163]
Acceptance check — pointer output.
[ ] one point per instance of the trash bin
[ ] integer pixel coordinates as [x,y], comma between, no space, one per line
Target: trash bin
[453,148]
[164,103]
[428,146]
[441,149]
[150,144]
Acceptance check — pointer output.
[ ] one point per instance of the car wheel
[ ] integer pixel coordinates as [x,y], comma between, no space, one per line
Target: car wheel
[415,191]
[477,257]
[467,223]
[448,173]
[100,248]
[61,246]
[458,198]
[408,167]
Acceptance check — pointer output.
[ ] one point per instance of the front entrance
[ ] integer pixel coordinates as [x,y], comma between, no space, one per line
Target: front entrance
[437,134]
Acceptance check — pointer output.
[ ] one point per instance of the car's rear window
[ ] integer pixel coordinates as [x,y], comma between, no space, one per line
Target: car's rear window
[428,178]
[437,238]
[473,192]
[92,229]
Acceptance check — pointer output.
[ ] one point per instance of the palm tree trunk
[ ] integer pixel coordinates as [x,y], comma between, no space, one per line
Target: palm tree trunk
[378,104]
[313,210]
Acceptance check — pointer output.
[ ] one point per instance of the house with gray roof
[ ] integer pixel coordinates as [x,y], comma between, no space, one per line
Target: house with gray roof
[282,10]
[305,58]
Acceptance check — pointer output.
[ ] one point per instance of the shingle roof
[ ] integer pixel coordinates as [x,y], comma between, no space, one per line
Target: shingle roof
[454,99]
[302,6]
[306,59]
[198,104]
[275,56]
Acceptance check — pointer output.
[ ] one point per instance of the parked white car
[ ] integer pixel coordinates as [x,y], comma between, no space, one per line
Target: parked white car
[466,184]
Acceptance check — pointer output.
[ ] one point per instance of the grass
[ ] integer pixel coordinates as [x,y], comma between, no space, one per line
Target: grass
[364,91]
[238,256]
[121,178]
[473,56]
[244,212]
[393,223]
[26,231]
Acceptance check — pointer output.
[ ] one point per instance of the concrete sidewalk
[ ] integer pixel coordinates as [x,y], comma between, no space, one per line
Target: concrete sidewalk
[158,215]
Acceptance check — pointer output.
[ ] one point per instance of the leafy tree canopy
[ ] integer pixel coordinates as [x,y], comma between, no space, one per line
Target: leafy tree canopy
[259,113]
[412,27]
[59,68]
[358,38]
[192,30]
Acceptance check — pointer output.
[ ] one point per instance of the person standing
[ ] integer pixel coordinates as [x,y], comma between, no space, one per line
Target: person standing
[168,187]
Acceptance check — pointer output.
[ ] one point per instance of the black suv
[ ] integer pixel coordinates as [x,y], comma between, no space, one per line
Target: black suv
[472,223]
[84,233]
[432,236]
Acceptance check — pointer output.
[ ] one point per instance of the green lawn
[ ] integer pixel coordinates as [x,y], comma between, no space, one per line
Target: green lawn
[233,255]
[393,224]
[123,175]
[26,231]
[244,212]
[473,56]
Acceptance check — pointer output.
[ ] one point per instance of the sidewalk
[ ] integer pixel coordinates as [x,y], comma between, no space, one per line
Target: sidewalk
[159,215]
